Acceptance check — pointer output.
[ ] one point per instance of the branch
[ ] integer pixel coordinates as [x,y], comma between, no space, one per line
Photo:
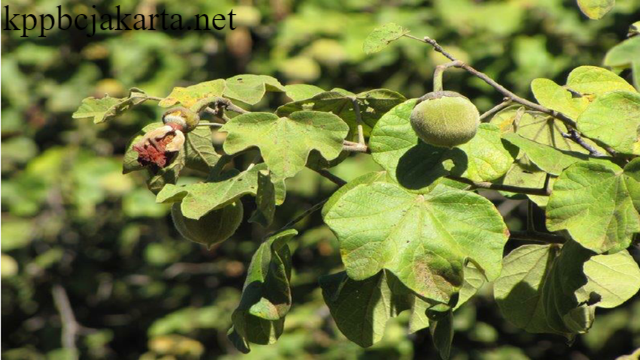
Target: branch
[70,326]
[537,236]
[306,213]
[573,135]
[506,102]
[493,83]
[333,178]
[354,147]
[501,187]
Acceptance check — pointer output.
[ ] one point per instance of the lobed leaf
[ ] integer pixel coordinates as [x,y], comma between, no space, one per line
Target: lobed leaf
[423,239]
[250,88]
[595,204]
[614,119]
[596,81]
[556,97]
[106,108]
[285,142]
[189,96]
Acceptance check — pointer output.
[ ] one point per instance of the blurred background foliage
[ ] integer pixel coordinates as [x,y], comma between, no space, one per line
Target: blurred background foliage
[77,232]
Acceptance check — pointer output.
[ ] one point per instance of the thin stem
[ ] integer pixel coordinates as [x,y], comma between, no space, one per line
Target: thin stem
[501,187]
[530,222]
[506,102]
[356,110]
[573,135]
[354,147]
[70,326]
[439,71]
[493,83]
[333,178]
[204,123]
[537,236]
[306,213]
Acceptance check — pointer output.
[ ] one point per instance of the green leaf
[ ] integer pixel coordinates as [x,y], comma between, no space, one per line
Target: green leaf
[361,309]
[594,204]
[297,92]
[596,81]
[543,290]
[380,37]
[539,127]
[596,9]
[442,334]
[547,158]
[265,200]
[415,164]
[251,88]
[166,176]
[614,118]
[190,95]
[213,228]
[373,104]
[423,239]
[626,55]
[199,151]
[199,199]
[285,142]
[266,295]
[556,97]
[106,108]
[370,178]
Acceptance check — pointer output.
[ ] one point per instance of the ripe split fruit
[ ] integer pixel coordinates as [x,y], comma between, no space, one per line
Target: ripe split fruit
[445,119]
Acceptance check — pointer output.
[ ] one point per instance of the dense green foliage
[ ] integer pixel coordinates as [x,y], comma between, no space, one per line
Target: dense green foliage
[408,229]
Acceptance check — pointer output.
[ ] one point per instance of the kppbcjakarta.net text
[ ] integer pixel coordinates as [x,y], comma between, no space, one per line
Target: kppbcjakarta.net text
[43,23]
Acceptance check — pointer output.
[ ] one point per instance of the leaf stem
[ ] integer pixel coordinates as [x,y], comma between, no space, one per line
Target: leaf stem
[333,178]
[506,102]
[356,110]
[355,147]
[537,236]
[501,187]
[306,213]
[212,124]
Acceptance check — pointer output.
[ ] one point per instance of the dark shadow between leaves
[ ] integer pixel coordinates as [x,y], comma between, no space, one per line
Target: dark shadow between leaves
[423,164]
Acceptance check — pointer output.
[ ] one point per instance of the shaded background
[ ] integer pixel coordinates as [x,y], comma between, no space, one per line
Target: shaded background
[74,227]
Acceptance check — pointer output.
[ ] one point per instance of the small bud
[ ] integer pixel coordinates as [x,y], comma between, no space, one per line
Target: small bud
[186,119]
[158,146]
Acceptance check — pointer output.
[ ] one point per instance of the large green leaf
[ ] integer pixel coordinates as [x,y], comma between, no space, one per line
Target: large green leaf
[189,96]
[380,37]
[415,164]
[596,9]
[614,119]
[266,295]
[442,334]
[595,80]
[285,142]
[250,88]
[299,92]
[423,239]
[362,308]
[198,199]
[544,290]
[373,104]
[595,204]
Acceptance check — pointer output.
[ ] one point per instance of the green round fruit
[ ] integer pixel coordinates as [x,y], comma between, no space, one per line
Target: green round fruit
[445,119]
[185,118]
[213,228]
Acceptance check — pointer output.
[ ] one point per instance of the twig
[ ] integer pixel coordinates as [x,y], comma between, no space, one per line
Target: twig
[204,123]
[333,178]
[493,83]
[501,187]
[306,213]
[354,147]
[506,102]
[356,110]
[537,236]
[70,326]
[573,135]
